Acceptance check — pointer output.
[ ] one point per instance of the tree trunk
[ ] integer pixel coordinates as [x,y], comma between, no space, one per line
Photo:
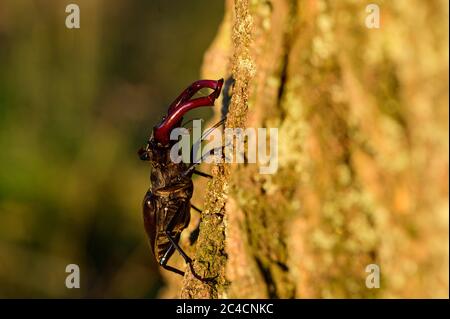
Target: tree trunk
[362,121]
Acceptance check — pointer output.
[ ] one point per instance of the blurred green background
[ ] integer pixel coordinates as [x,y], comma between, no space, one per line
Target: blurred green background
[75,105]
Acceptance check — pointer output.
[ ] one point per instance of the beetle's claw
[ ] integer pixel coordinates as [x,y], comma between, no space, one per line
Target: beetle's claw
[183,104]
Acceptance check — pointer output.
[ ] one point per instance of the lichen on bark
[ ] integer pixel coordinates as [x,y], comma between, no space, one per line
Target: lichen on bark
[362,118]
[210,257]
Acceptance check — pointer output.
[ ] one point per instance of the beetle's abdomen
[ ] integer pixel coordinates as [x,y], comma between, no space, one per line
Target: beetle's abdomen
[167,209]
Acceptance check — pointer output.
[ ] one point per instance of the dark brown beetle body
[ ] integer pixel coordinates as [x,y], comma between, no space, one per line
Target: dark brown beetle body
[166,206]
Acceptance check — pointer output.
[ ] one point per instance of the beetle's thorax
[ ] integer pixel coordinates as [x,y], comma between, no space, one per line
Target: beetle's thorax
[164,171]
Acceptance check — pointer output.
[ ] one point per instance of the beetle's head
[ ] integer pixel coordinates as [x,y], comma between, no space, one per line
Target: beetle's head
[158,147]
[154,151]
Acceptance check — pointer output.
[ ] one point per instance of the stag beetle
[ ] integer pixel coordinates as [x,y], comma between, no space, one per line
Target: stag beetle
[166,205]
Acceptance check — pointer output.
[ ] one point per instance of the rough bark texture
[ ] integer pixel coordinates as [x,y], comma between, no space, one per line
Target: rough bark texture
[363,153]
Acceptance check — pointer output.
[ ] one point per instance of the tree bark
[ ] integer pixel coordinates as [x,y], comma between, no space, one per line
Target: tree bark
[362,120]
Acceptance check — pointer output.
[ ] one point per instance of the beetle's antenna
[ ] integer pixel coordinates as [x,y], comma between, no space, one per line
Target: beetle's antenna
[189,121]
[204,136]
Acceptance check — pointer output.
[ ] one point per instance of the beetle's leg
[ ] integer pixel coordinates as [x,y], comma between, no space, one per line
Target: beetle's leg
[173,269]
[186,258]
[205,135]
[164,260]
[196,208]
[192,166]
[196,145]
[178,248]
[212,128]
[202,174]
